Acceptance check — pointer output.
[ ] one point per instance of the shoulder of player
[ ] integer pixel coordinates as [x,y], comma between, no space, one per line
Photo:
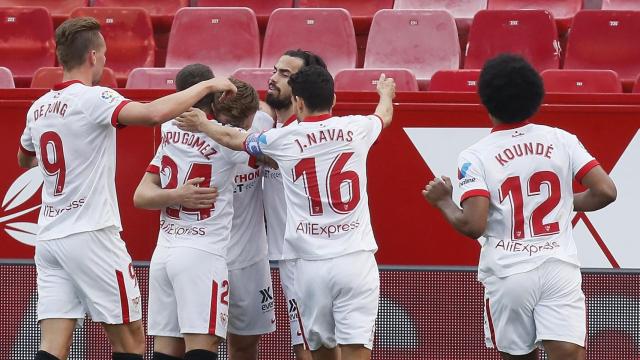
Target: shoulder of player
[262,121]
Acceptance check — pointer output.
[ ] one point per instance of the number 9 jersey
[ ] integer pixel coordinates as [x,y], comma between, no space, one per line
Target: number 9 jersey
[72,132]
[183,156]
[527,172]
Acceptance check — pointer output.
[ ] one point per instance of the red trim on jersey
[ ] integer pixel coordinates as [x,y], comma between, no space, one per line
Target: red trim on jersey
[381,121]
[491,329]
[509,126]
[291,119]
[124,300]
[473,193]
[210,117]
[304,338]
[585,169]
[213,315]
[63,85]
[154,169]
[317,118]
[116,112]
[27,152]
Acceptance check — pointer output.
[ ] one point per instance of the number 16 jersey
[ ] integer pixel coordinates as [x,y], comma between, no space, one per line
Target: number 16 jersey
[527,172]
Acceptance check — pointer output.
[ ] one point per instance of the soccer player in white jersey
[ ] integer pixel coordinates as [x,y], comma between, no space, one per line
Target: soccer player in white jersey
[83,266]
[516,186]
[279,100]
[322,160]
[251,302]
[189,287]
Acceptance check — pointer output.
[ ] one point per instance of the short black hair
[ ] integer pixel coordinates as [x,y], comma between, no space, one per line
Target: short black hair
[308,58]
[314,85]
[510,88]
[191,75]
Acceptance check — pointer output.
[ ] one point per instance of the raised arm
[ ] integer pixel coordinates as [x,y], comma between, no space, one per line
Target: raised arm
[195,120]
[601,191]
[168,107]
[150,194]
[387,90]
[471,220]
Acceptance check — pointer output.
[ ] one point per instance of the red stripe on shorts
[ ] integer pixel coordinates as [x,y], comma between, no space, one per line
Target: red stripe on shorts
[491,330]
[124,300]
[214,309]
[304,338]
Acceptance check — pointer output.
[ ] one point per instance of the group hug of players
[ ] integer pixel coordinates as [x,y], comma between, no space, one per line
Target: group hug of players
[240,182]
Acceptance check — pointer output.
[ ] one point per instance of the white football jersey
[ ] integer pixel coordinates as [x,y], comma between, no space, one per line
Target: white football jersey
[323,164]
[248,242]
[72,131]
[527,173]
[275,205]
[182,156]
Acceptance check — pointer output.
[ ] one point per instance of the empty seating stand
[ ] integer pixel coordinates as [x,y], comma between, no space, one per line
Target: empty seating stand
[361,11]
[367,79]
[262,8]
[152,78]
[562,10]
[326,32]
[581,81]
[606,40]
[59,10]
[422,41]
[256,77]
[27,42]
[455,81]
[529,33]
[620,5]
[161,11]
[223,38]
[6,78]
[48,76]
[129,36]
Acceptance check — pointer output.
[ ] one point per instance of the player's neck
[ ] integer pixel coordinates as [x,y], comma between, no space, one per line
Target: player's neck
[79,74]
[284,114]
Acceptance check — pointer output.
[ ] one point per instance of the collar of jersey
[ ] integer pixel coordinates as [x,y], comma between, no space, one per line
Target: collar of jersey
[509,126]
[317,118]
[62,85]
[291,119]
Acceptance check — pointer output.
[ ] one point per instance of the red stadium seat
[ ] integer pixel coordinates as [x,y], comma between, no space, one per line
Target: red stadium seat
[420,40]
[152,78]
[606,40]
[620,5]
[223,38]
[366,79]
[460,9]
[327,32]
[59,10]
[455,81]
[6,78]
[129,37]
[262,8]
[530,33]
[256,77]
[562,10]
[46,77]
[161,11]
[26,41]
[636,85]
[581,81]
[357,8]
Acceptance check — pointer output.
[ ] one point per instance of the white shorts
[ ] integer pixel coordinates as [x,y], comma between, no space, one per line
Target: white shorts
[287,276]
[188,293]
[251,305]
[338,299]
[524,309]
[87,273]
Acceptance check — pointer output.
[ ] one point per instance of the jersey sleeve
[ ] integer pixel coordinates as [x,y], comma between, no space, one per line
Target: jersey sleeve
[26,141]
[372,126]
[471,179]
[107,106]
[156,162]
[581,161]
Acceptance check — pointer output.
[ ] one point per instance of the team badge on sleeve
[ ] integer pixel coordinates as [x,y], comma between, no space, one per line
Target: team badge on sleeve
[110,96]
[252,143]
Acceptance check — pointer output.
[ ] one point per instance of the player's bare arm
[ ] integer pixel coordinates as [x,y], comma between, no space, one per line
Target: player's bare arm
[387,90]
[150,194]
[471,220]
[168,107]
[601,191]
[195,120]
[26,161]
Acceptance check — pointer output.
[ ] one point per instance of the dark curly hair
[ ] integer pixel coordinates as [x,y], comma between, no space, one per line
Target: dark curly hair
[510,88]
[314,85]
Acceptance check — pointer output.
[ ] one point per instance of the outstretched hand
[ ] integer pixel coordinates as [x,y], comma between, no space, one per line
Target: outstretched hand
[386,86]
[437,190]
[191,120]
